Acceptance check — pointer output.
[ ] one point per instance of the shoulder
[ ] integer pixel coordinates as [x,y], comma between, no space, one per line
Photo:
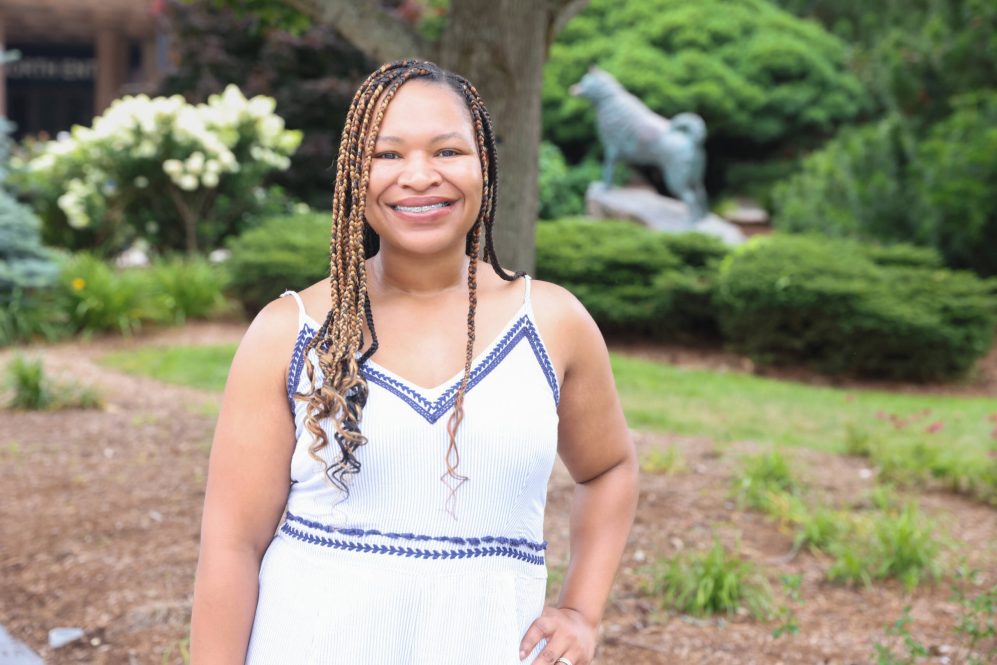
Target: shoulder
[564,322]
[265,349]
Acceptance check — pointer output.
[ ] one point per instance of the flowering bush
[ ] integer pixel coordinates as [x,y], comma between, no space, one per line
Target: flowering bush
[180,175]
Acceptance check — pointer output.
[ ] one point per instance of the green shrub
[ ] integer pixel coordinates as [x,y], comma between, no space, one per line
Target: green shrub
[562,187]
[26,315]
[281,253]
[823,301]
[854,186]
[761,477]
[883,182]
[889,545]
[98,298]
[758,75]
[32,390]
[190,287]
[954,173]
[712,582]
[632,279]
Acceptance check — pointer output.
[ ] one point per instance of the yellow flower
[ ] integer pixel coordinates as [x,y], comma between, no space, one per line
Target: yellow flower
[78,283]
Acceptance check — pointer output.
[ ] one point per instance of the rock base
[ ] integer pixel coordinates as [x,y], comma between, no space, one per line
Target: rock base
[655,211]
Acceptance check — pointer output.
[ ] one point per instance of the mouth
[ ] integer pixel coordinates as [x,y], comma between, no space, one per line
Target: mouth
[418,209]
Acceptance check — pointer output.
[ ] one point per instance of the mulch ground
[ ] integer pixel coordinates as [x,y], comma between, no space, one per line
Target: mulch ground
[100,512]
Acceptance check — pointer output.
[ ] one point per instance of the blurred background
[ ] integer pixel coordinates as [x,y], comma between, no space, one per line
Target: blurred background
[814,403]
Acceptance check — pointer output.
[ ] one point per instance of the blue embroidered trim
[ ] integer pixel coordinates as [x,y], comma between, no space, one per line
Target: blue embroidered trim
[475,542]
[297,363]
[431,410]
[413,552]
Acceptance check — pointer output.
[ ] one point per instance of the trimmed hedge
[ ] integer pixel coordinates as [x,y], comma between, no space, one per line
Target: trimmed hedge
[631,279]
[806,298]
[281,253]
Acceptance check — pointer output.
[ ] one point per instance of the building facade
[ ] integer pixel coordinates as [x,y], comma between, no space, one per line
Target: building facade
[76,57]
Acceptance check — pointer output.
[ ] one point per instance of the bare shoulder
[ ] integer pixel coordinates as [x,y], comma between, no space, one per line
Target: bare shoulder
[267,344]
[565,324]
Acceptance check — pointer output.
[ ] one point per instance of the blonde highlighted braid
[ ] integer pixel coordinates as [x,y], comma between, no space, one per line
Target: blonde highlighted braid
[342,394]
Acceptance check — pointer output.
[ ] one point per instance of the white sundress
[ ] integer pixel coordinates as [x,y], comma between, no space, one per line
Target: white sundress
[388,575]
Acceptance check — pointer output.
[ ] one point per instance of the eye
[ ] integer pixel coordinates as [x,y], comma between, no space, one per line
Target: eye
[449,152]
[386,155]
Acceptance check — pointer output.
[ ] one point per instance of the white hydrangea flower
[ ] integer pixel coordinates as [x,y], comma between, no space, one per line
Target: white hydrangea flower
[195,163]
[187,182]
[209,180]
[173,167]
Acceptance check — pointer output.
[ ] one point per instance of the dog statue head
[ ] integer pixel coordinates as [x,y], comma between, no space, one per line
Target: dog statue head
[596,85]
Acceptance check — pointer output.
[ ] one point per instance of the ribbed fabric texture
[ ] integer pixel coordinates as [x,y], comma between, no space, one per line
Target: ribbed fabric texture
[400,571]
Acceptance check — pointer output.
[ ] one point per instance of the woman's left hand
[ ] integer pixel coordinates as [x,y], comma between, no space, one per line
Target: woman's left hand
[568,634]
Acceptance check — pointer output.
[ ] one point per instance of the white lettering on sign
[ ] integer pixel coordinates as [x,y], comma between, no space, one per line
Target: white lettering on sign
[53,69]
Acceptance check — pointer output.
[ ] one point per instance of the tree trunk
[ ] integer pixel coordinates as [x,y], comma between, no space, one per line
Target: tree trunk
[501,46]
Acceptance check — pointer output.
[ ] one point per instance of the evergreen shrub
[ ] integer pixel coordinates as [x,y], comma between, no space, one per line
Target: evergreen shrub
[632,279]
[811,299]
[281,253]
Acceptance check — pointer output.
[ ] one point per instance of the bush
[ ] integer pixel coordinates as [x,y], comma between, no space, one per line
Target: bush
[562,187]
[632,279]
[32,390]
[711,582]
[898,544]
[177,175]
[97,298]
[882,182]
[763,476]
[282,253]
[954,174]
[190,287]
[816,300]
[854,186]
[760,77]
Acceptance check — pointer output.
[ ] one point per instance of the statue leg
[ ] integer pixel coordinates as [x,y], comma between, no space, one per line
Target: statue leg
[676,177]
[608,160]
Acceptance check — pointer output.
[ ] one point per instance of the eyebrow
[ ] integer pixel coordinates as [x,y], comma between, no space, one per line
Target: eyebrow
[436,139]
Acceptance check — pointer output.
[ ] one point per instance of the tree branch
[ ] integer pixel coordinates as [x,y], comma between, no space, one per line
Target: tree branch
[368,27]
[562,11]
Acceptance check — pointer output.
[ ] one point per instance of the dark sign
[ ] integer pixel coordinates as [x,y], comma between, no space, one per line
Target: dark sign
[44,68]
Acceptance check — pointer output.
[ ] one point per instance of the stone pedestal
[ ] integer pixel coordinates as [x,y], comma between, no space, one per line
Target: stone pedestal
[654,211]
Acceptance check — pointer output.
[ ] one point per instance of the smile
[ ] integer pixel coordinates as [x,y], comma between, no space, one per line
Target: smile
[423,208]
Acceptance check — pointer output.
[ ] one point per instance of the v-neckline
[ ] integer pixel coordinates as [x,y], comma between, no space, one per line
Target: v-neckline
[436,390]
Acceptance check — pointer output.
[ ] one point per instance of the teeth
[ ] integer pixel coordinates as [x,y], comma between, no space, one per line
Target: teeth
[421,208]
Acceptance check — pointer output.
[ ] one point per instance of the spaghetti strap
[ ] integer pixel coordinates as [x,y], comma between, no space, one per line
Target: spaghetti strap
[301,306]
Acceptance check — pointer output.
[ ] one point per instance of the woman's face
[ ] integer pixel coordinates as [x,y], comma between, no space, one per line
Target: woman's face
[425,182]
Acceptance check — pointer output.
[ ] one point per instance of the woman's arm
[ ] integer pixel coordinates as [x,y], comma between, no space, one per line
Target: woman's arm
[248,481]
[596,447]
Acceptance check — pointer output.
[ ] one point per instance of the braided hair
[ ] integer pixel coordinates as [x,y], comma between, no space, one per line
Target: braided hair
[343,393]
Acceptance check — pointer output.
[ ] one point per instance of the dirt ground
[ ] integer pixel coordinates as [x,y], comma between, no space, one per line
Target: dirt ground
[100,512]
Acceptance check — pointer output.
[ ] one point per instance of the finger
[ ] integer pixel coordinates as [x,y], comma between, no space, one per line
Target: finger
[557,645]
[539,629]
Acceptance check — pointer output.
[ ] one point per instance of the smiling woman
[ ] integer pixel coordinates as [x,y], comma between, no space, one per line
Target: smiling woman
[409,519]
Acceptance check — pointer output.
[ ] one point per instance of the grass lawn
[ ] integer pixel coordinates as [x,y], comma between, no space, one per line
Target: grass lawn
[204,367]
[952,438]
[728,406]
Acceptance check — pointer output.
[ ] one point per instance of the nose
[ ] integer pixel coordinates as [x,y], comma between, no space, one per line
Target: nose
[419,173]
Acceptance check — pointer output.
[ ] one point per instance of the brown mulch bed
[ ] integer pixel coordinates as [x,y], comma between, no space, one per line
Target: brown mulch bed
[100,512]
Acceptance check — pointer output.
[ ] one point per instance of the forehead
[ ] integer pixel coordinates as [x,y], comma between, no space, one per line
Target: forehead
[426,106]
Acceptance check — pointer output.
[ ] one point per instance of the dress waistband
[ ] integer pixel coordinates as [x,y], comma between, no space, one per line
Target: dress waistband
[411,545]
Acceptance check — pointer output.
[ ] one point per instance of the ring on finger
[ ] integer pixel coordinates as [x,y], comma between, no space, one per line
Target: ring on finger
[563,660]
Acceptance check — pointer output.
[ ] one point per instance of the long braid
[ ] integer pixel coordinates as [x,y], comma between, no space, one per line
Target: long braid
[342,392]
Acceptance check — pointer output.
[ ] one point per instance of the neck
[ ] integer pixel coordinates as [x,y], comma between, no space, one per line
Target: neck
[418,275]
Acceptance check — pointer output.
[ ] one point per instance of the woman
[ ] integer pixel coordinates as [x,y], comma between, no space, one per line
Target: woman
[408,518]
